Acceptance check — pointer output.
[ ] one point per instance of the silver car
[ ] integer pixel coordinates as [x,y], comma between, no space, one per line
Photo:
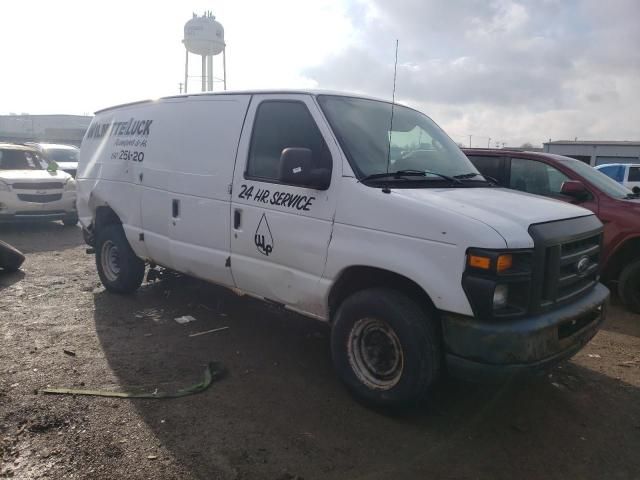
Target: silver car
[32,190]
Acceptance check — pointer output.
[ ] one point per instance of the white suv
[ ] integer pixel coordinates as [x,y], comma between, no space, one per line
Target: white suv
[30,191]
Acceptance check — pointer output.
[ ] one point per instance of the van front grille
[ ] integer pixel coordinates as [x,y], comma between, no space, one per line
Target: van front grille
[577,267]
[567,260]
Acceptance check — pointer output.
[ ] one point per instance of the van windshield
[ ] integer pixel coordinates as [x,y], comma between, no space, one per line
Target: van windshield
[414,144]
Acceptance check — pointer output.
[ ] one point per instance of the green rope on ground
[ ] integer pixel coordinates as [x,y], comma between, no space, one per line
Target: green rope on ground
[213,372]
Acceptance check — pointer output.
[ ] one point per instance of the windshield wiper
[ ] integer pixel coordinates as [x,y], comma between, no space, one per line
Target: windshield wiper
[632,195]
[465,176]
[399,174]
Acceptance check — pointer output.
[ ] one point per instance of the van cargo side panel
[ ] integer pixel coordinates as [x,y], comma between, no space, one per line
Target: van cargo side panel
[209,129]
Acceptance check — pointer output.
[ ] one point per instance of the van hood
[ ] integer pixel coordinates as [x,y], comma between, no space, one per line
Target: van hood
[28,176]
[508,212]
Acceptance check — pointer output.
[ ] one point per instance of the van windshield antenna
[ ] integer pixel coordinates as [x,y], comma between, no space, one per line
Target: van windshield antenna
[393,102]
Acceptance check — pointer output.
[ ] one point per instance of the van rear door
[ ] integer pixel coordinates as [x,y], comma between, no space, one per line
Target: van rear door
[281,231]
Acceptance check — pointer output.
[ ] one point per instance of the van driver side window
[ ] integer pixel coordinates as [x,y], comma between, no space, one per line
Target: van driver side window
[279,125]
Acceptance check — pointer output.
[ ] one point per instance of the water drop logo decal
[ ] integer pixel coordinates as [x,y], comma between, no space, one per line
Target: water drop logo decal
[263,238]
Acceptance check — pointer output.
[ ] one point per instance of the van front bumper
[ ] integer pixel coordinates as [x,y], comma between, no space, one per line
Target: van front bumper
[493,350]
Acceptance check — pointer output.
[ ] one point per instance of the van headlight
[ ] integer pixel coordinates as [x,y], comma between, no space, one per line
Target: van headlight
[498,282]
[70,186]
[4,187]
[500,295]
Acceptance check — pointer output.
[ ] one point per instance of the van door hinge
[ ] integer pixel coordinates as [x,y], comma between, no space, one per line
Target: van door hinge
[227,263]
[141,237]
[230,188]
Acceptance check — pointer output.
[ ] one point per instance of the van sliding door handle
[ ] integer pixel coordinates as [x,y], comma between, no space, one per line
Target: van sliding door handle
[236,219]
[175,208]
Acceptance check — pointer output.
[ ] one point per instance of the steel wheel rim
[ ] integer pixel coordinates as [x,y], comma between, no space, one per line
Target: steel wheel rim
[375,353]
[110,260]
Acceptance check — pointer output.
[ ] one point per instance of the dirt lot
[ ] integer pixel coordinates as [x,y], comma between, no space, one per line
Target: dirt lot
[280,413]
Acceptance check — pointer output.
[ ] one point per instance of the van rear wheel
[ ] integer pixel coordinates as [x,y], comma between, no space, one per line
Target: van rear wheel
[385,348]
[629,286]
[120,270]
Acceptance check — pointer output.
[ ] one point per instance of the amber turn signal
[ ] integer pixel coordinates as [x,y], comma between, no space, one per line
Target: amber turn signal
[505,262]
[476,261]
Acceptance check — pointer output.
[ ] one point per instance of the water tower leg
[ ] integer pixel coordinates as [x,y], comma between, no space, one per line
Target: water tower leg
[224,67]
[186,69]
[204,73]
[210,73]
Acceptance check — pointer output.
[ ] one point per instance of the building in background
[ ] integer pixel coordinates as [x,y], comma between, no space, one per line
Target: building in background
[596,152]
[66,129]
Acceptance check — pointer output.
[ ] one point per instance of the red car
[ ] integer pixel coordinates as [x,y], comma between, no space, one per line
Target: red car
[570,180]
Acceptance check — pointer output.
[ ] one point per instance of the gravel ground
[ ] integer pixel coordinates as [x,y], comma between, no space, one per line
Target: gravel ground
[280,413]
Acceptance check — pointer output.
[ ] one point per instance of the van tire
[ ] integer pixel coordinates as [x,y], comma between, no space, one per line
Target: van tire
[388,319]
[120,270]
[10,257]
[629,286]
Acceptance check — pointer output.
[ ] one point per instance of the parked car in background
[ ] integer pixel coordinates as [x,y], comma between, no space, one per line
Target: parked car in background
[66,156]
[576,182]
[31,190]
[624,173]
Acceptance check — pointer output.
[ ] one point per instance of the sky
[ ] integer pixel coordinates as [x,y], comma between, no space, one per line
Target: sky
[502,71]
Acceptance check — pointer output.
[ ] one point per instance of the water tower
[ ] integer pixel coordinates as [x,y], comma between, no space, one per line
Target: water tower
[205,37]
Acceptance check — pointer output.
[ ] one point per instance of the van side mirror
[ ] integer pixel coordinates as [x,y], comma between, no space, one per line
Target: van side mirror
[573,188]
[296,167]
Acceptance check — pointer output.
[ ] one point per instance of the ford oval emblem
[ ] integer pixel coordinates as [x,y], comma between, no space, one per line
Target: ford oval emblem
[583,265]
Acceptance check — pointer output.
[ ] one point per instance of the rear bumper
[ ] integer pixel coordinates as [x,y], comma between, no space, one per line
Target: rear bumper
[483,350]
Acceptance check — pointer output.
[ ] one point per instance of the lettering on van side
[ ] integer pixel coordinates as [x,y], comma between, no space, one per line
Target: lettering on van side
[263,238]
[132,127]
[295,201]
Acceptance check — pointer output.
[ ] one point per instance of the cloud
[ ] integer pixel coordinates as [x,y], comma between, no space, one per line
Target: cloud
[511,70]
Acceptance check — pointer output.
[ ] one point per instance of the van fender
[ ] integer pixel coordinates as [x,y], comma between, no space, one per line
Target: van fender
[435,267]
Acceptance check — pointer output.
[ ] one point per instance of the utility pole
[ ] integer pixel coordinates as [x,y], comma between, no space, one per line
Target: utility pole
[489,143]
[180,87]
[469,141]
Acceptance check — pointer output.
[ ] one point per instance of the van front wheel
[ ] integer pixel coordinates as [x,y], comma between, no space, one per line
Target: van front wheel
[120,270]
[385,348]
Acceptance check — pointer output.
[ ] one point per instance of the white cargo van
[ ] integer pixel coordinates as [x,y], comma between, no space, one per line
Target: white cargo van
[334,207]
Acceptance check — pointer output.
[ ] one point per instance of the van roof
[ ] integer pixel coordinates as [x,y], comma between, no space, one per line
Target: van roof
[313,92]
